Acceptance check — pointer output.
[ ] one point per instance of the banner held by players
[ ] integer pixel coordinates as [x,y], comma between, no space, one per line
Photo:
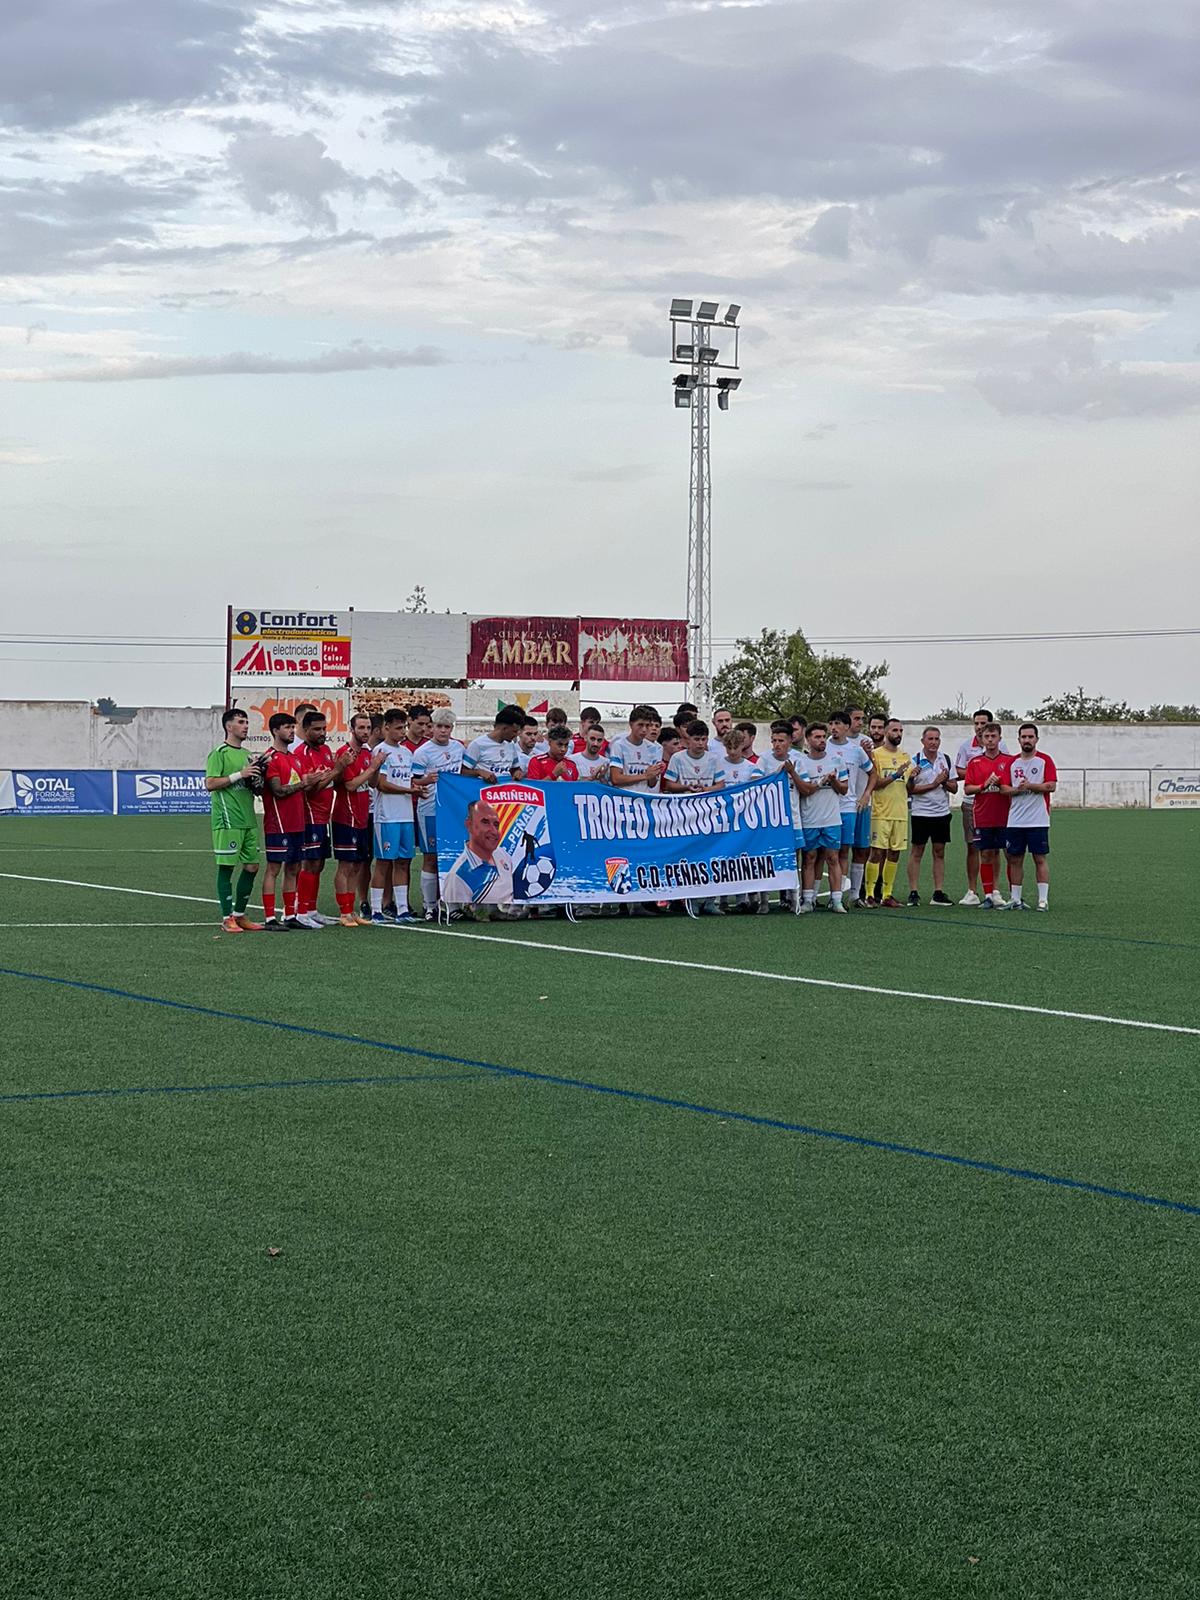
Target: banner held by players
[571,843]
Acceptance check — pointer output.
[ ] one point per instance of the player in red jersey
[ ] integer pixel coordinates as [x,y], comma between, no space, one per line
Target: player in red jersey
[589,717]
[420,726]
[988,783]
[316,762]
[283,823]
[557,766]
[357,764]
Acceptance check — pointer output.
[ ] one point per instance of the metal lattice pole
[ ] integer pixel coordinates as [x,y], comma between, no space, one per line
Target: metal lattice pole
[700,534]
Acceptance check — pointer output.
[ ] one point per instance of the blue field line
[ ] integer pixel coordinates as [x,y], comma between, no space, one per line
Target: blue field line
[639,1096]
[383,1080]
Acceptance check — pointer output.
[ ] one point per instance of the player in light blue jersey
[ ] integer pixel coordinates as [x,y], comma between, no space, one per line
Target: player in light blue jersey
[822,780]
[497,751]
[439,754]
[856,802]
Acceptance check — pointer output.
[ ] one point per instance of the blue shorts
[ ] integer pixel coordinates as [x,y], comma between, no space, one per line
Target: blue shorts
[286,847]
[393,841]
[856,829]
[991,838]
[822,839]
[316,842]
[1035,840]
[427,832]
[351,844]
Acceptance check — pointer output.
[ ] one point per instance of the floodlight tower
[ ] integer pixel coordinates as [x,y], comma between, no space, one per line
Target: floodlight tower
[692,347]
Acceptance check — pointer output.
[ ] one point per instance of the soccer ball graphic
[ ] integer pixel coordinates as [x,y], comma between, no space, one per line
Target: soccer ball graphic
[533,876]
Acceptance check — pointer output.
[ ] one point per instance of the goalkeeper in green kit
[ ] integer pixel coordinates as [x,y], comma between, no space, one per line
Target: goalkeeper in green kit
[232,777]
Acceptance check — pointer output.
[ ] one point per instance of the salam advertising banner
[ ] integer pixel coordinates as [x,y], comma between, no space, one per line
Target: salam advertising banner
[1175,791]
[277,643]
[162,794]
[566,843]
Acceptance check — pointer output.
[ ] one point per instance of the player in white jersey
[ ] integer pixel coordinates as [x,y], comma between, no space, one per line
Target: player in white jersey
[527,740]
[966,750]
[440,753]
[394,840]
[693,770]
[781,757]
[822,778]
[590,762]
[856,802]
[737,767]
[496,752]
[931,781]
[634,760]
[1033,778]
[722,722]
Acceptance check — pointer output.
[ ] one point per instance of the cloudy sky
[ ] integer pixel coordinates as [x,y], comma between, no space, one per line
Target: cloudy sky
[307,303]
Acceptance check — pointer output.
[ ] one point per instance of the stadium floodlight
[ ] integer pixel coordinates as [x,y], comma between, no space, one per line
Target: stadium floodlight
[692,391]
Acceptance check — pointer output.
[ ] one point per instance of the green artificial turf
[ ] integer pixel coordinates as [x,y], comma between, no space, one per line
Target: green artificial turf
[523,1338]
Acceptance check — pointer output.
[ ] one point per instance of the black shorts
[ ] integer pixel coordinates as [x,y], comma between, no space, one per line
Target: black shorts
[316,841]
[351,844]
[286,847]
[931,830]
[992,838]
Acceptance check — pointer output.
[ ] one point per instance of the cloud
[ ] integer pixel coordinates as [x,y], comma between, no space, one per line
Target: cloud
[1065,377]
[295,172]
[14,455]
[62,61]
[356,357]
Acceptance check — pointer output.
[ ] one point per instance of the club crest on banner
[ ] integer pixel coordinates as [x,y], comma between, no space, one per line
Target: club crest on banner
[524,835]
[617,870]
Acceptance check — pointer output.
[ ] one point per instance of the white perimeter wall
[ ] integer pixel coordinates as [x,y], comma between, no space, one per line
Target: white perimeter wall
[70,733]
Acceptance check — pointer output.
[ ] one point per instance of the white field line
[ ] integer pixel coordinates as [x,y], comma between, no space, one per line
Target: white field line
[102,850]
[212,924]
[816,983]
[694,966]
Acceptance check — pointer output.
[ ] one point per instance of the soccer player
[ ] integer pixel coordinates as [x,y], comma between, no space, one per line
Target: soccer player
[496,752]
[781,757]
[283,823]
[798,722]
[394,841]
[889,814]
[739,766]
[301,711]
[693,770]
[440,753]
[822,779]
[318,766]
[592,761]
[527,740]
[350,823]
[483,872]
[1032,779]
[931,782]
[557,766]
[969,748]
[988,785]
[419,728]
[589,717]
[722,722]
[634,760]
[229,775]
[684,714]
[669,740]
[855,804]
[750,729]
[877,729]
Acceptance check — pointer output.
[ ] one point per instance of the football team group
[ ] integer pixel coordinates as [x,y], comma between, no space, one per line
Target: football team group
[859,801]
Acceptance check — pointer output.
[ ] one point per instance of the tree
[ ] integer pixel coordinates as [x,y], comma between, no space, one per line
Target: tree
[416,600]
[1076,706]
[779,673]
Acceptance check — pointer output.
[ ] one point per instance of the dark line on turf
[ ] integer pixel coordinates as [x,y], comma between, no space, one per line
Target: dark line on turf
[385,1080]
[1001,922]
[639,1096]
